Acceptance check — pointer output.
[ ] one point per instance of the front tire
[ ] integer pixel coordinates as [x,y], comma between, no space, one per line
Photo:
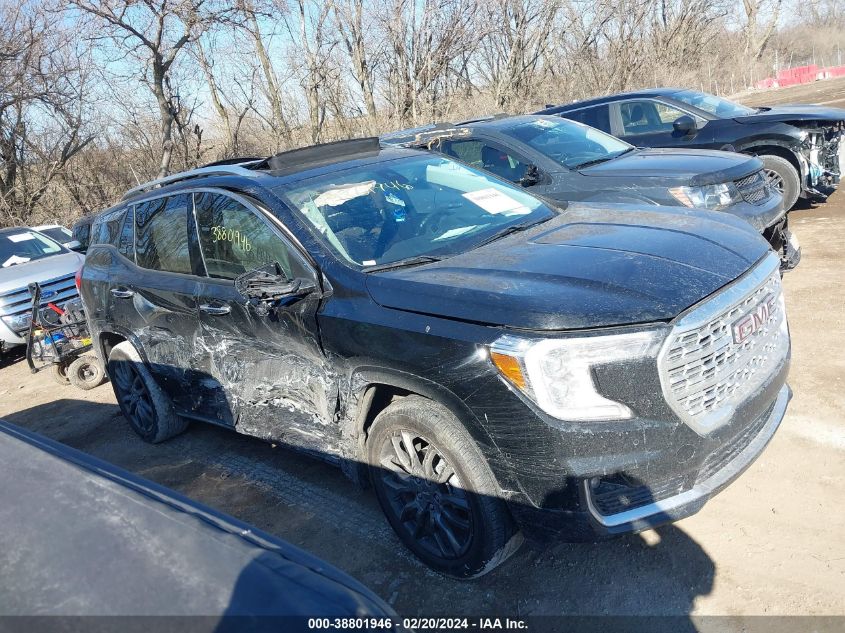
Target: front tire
[143,403]
[437,491]
[783,178]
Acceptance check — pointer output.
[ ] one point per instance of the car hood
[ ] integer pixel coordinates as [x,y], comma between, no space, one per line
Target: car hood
[592,266]
[795,114]
[677,166]
[21,275]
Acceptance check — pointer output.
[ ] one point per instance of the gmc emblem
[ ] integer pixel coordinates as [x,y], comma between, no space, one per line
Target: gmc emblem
[754,320]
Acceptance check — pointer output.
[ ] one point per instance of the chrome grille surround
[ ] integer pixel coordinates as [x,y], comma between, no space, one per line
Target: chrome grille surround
[705,374]
[753,188]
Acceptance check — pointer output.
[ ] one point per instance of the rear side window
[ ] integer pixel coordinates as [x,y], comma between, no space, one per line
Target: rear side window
[161,234]
[598,117]
[126,239]
[106,228]
[235,240]
[82,233]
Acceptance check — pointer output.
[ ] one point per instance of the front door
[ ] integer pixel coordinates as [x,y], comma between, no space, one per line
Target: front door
[648,123]
[264,374]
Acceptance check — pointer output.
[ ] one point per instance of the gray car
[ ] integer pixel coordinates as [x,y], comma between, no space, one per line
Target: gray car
[27,256]
[571,162]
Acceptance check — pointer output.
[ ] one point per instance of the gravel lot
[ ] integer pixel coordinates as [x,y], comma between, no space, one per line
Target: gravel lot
[772,543]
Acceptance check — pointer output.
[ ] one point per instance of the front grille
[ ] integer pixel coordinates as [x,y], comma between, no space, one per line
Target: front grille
[58,290]
[725,349]
[754,188]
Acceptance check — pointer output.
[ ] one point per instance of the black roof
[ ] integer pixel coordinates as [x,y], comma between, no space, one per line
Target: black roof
[648,92]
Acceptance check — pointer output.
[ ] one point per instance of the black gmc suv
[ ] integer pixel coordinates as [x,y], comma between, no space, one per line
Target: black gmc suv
[494,365]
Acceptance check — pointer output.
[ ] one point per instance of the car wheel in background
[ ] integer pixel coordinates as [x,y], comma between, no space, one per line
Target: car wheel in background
[782,177]
[86,373]
[141,400]
[437,491]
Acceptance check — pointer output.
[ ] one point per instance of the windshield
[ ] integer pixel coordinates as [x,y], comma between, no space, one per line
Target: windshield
[57,233]
[722,108]
[19,247]
[410,207]
[568,143]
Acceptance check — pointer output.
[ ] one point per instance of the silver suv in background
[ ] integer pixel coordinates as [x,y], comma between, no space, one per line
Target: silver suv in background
[27,256]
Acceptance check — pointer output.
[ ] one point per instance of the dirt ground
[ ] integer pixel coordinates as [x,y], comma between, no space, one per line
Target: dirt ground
[772,543]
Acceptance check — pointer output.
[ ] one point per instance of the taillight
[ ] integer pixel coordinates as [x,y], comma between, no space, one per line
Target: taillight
[78,279]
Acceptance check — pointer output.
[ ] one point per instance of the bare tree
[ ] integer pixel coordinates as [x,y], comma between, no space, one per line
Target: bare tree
[41,124]
[761,20]
[155,33]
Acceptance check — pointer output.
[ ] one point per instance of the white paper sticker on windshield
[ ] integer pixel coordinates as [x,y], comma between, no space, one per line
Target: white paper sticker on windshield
[14,259]
[495,202]
[343,193]
[454,233]
[21,237]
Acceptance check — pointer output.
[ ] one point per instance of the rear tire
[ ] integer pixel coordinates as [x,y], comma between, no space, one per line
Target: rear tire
[59,373]
[86,373]
[437,490]
[783,177]
[141,400]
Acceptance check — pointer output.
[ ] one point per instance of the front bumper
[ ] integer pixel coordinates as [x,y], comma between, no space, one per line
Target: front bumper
[651,505]
[761,216]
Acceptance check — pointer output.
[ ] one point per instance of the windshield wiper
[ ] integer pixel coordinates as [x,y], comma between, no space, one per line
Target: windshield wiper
[515,228]
[402,263]
[602,159]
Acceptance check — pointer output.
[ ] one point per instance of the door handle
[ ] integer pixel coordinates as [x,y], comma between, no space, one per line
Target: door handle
[216,310]
[122,293]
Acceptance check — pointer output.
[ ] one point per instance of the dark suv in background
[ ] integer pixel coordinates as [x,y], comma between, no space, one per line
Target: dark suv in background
[802,146]
[568,161]
[495,365]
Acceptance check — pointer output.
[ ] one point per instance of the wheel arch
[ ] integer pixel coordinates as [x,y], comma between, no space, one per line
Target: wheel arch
[374,389]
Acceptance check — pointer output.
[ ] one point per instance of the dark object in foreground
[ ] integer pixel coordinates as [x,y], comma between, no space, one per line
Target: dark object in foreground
[83,538]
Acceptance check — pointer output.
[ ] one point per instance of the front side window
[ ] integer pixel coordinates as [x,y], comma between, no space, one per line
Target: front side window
[567,143]
[409,207]
[19,247]
[711,103]
[480,154]
[161,234]
[647,117]
[234,240]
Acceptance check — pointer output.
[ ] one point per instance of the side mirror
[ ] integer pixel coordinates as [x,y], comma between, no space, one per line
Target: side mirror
[75,246]
[685,125]
[531,176]
[268,286]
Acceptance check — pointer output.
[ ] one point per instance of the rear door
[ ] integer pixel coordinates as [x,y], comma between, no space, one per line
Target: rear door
[159,298]
[264,374]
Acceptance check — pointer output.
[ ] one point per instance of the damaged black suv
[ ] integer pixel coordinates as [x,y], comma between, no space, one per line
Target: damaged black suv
[495,366]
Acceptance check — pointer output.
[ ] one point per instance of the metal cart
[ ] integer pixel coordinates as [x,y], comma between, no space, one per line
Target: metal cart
[59,340]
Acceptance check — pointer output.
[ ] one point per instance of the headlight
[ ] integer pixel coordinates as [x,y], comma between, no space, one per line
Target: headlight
[18,322]
[713,197]
[557,374]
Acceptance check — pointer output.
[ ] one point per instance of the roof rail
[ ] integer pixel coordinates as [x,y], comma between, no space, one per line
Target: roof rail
[241,169]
